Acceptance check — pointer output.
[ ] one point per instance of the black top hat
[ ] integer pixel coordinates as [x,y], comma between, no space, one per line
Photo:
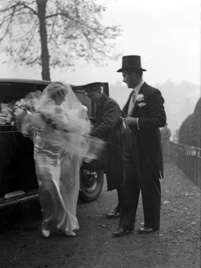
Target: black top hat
[131,62]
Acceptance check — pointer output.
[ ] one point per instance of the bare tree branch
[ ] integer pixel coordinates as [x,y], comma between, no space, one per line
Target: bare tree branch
[64,31]
[21,6]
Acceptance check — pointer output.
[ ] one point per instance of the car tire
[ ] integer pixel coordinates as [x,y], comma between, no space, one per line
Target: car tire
[91,184]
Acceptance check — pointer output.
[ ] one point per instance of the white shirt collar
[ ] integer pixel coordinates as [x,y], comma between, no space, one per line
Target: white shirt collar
[137,88]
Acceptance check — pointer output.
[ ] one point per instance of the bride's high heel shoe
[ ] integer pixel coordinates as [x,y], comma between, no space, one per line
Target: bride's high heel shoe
[70,233]
[45,232]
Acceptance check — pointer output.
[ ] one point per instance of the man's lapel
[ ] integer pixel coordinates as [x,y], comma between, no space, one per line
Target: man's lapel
[141,91]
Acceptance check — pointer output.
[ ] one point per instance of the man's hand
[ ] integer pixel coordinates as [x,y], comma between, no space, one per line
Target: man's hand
[130,121]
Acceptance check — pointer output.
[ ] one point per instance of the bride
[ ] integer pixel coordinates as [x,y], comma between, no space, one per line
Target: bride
[59,124]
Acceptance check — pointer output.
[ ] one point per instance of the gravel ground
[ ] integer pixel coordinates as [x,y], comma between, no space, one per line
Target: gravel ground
[177,245]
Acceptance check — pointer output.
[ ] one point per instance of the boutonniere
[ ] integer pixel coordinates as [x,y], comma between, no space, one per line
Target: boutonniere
[140,99]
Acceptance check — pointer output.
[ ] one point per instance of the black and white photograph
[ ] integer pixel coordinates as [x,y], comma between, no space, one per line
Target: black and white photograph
[100,134]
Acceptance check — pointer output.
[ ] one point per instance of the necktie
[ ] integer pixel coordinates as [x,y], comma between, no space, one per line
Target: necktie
[134,98]
[132,103]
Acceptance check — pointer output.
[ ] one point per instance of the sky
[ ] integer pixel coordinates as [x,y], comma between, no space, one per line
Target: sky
[165,33]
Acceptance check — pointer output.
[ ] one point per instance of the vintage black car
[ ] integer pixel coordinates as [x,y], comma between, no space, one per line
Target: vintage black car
[17,171]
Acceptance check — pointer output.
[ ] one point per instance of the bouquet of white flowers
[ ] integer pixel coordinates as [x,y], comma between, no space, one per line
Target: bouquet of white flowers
[6,116]
[16,114]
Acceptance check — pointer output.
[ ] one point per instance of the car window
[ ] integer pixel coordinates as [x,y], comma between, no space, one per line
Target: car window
[10,92]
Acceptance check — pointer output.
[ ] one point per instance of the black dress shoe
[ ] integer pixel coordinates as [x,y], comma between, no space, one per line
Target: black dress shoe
[147,230]
[113,215]
[121,232]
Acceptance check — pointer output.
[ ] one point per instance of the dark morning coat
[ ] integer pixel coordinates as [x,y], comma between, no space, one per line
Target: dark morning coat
[109,128]
[147,140]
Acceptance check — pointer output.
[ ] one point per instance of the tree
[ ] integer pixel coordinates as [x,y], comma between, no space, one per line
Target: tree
[185,131]
[55,33]
[196,125]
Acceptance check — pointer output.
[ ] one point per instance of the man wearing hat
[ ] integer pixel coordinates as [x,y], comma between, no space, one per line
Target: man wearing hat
[108,127]
[142,153]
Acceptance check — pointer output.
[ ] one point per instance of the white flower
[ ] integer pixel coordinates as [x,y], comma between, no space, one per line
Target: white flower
[139,97]
[18,111]
[22,107]
[141,104]
[6,116]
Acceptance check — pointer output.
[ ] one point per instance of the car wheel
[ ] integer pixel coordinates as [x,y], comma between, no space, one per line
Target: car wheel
[91,184]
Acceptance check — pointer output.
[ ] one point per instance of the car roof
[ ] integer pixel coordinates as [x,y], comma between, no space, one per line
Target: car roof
[17,88]
[40,81]
[24,81]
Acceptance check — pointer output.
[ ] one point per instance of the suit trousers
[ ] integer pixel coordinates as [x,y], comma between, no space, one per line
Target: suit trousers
[139,178]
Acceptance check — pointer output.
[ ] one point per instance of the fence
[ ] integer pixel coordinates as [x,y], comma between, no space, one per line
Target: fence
[188,159]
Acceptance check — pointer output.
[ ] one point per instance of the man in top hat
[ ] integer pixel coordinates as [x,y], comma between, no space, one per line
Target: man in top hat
[142,154]
[108,127]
